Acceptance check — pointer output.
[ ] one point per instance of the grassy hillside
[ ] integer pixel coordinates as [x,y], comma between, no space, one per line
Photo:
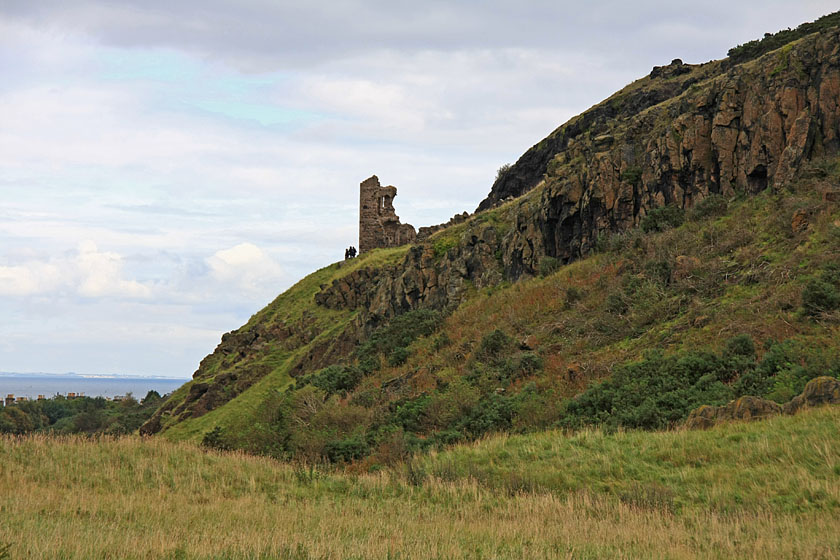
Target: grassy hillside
[702,224]
[736,296]
[270,362]
[768,489]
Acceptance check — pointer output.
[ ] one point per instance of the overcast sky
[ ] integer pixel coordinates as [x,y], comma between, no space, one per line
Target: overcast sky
[167,168]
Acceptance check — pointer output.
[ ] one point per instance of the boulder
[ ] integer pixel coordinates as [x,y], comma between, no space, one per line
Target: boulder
[744,408]
[819,391]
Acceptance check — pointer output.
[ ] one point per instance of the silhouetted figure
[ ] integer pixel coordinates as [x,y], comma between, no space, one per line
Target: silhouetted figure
[346,254]
[352,252]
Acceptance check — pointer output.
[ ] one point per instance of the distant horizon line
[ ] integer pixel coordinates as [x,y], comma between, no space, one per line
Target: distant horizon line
[91,375]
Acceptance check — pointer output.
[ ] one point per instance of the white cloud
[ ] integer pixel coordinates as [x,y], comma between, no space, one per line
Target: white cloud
[100,274]
[30,278]
[247,268]
[90,273]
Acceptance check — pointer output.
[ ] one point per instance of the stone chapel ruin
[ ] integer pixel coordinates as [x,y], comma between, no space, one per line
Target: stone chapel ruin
[379,225]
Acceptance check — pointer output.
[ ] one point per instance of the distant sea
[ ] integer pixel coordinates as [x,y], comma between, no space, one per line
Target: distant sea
[33,384]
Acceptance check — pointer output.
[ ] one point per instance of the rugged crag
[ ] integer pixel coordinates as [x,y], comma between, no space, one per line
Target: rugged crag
[672,138]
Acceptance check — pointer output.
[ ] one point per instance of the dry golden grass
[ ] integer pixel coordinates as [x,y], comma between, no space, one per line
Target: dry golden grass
[133,498]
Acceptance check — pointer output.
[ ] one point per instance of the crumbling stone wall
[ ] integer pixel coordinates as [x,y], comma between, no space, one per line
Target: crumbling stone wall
[379,225]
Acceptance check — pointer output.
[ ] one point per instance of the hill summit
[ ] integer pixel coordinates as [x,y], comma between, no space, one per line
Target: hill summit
[678,244]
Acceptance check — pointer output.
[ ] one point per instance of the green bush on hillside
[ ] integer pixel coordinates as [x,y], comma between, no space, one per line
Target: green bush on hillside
[494,343]
[399,333]
[771,41]
[654,393]
[711,206]
[334,379]
[819,296]
[662,218]
[549,265]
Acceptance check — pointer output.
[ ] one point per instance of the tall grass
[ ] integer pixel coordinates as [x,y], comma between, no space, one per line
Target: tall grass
[762,490]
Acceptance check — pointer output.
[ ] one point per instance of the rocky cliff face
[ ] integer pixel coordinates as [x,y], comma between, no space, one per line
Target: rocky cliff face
[674,137]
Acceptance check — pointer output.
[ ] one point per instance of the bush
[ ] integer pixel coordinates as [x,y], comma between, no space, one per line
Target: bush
[399,333]
[502,172]
[741,345]
[549,265]
[819,296]
[662,218]
[215,439]
[493,344]
[398,356]
[491,414]
[654,393]
[712,205]
[347,449]
[573,295]
[616,304]
[659,271]
[632,175]
[333,379]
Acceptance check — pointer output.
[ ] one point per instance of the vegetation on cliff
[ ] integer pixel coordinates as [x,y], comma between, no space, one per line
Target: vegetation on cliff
[739,298]
[772,41]
[676,245]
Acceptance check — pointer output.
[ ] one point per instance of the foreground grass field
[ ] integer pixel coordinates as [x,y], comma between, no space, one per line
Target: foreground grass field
[769,489]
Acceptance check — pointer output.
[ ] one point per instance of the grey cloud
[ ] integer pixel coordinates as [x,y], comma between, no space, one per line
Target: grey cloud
[269,34]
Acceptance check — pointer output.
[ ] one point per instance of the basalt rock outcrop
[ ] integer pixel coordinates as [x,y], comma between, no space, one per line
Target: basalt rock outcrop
[426,278]
[675,137]
[817,392]
[680,134]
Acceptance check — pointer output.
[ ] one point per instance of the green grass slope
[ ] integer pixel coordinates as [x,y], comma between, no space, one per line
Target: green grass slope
[738,296]
[272,361]
[768,489]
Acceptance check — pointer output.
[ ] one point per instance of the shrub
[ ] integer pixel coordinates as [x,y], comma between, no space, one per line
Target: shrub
[632,175]
[819,296]
[409,414]
[653,393]
[616,304]
[662,218]
[659,271]
[549,265]
[215,439]
[347,449]
[333,379]
[741,345]
[441,341]
[573,295]
[712,205]
[493,344]
[501,172]
[398,356]
[493,413]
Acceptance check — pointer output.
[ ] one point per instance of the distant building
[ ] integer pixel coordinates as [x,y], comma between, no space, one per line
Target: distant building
[379,225]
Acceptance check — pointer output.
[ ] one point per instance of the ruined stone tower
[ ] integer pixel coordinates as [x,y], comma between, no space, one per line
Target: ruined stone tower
[379,225]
